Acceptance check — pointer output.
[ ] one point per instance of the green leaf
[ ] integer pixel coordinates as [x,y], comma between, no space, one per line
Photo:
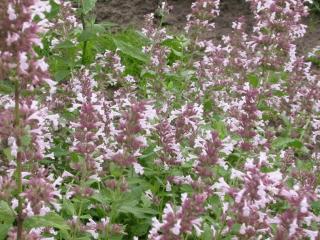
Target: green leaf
[315,206]
[253,80]
[133,37]
[146,201]
[61,75]
[115,237]
[65,45]
[101,197]
[91,33]
[49,220]
[137,212]
[207,233]
[4,228]
[68,207]
[221,128]
[130,50]
[6,213]
[88,5]
[148,73]
[295,143]
[7,153]
[177,53]
[26,140]
[6,87]
[141,228]
[7,217]
[235,228]
[283,142]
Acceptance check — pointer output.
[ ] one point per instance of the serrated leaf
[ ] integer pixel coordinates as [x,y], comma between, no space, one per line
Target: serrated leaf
[49,220]
[65,44]
[207,232]
[4,228]
[61,75]
[141,228]
[115,237]
[221,128]
[68,207]
[6,87]
[88,5]
[135,38]
[25,140]
[283,142]
[315,206]
[7,153]
[130,50]
[101,197]
[91,33]
[6,213]
[253,80]
[137,212]
[235,228]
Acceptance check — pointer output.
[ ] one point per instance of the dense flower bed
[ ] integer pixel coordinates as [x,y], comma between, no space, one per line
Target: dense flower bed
[147,135]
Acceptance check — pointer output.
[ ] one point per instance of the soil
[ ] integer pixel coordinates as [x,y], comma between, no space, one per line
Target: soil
[126,13]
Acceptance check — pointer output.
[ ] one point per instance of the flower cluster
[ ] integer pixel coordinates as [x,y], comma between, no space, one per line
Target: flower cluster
[209,155]
[170,149]
[111,71]
[19,34]
[172,138]
[158,55]
[182,221]
[129,134]
[254,198]
[202,13]
[89,131]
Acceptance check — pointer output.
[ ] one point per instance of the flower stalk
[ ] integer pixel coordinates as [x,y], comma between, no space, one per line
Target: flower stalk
[84,27]
[18,160]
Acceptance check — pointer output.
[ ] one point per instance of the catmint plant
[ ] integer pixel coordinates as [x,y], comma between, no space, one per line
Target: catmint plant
[156,134]
[26,127]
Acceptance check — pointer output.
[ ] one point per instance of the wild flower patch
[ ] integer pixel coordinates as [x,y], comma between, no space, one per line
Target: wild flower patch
[142,134]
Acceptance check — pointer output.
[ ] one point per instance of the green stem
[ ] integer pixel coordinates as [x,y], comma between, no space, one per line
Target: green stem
[19,160]
[84,27]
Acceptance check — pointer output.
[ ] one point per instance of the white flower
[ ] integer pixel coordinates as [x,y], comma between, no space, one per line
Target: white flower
[94,233]
[263,158]
[184,197]
[28,210]
[196,223]
[44,210]
[11,12]
[66,174]
[52,84]
[11,38]
[293,227]
[138,168]
[311,234]
[275,176]
[304,205]
[176,228]
[95,177]
[236,174]
[149,194]
[13,145]
[156,225]
[168,209]
[242,229]
[246,210]
[14,203]
[39,8]
[168,187]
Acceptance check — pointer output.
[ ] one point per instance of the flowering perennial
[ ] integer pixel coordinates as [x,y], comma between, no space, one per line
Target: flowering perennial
[148,135]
